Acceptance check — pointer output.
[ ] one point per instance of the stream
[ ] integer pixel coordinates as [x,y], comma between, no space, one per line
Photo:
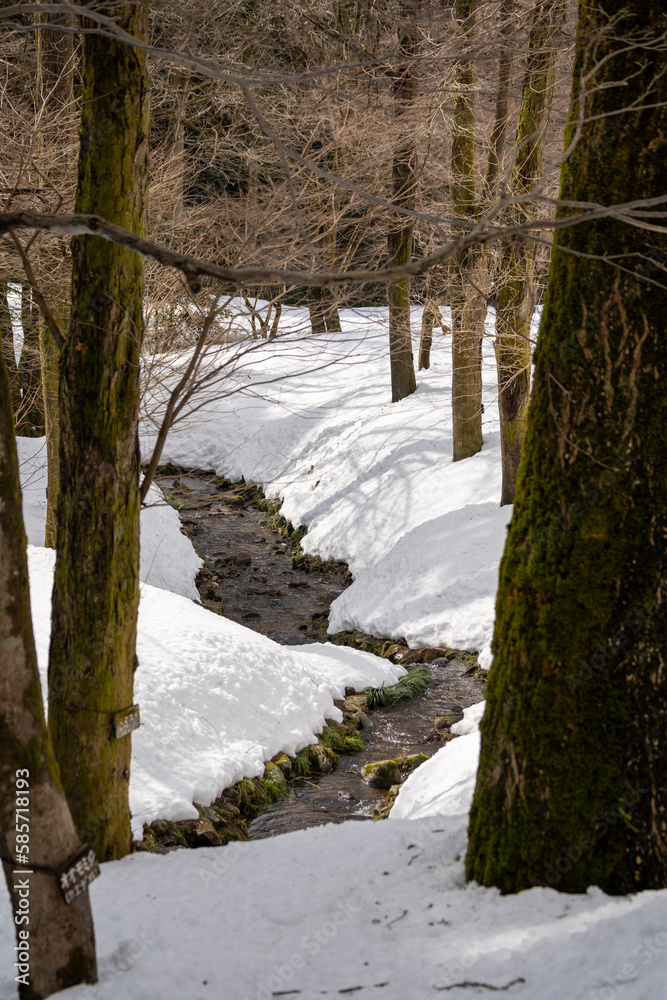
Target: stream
[249,577]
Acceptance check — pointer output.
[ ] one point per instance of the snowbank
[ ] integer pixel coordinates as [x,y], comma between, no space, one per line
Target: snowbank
[167,558]
[217,700]
[444,785]
[310,420]
[437,583]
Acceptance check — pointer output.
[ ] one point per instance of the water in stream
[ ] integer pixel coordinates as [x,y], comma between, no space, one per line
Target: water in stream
[253,582]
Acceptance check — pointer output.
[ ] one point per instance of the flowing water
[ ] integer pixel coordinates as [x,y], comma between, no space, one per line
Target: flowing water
[250,579]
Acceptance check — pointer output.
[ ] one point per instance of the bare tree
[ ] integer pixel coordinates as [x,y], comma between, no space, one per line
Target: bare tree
[514,293]
[466,275]
[404,177]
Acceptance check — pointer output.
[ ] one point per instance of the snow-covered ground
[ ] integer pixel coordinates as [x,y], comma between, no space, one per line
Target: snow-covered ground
[369,910]
[168,559]
[310,419]
[217,700]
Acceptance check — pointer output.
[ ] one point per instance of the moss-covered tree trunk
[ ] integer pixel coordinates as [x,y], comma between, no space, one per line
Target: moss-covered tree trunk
[572,786]
[56,943]
[96,591]
[515,300]
[404,187]
[50,357]
[468,306]
[55,75]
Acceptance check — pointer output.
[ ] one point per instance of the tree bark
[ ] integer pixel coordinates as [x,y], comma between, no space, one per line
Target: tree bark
[31,422]
[273,332]
[55,75]
[430,317]
[404,184]
[494,162]
[58,938]
[96,592]
[573,770]
[331,314]
[426,338]
[8,353]
[318,323]
[515,300]
[468,307]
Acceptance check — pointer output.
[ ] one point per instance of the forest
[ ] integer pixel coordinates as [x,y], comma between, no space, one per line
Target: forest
[333,488]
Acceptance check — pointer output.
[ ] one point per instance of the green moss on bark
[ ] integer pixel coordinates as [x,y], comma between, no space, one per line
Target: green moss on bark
[96,590]
[573,771]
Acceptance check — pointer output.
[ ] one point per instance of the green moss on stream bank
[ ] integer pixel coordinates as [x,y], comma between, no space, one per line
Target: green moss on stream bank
[229,816]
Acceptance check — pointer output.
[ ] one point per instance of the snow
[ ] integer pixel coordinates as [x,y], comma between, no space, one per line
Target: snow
[371,479]
[472,717]
[437,582]
[381,910]
[362,909]
[167,558]
[217,700]
[444,785]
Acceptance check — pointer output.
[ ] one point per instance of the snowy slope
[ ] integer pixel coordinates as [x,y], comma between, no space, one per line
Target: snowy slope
[312,422]
[359,909]
[216,699]
[167,558]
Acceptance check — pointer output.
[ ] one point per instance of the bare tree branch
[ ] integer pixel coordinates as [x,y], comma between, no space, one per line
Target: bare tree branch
[47,315]
[192,268]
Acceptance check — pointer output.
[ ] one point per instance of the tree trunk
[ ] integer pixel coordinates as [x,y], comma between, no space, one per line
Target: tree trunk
[50,355]
[494,163]
[273,332]
[331,315]
[430,317]
[8,353]
[55,75]
[515,300]
[318,322]
[426,339]
[96,592]
[404,181]
[573,770]
[31,423]
[56,940]
[468,307]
